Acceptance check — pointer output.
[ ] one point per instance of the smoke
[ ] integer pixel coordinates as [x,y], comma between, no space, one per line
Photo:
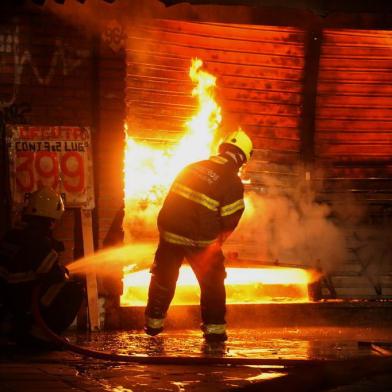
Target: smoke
[289,226]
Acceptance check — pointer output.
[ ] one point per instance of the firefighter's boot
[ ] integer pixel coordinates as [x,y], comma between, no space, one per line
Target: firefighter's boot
[153,326]
[214,332]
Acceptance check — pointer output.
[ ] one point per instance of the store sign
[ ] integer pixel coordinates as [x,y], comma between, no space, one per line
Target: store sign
[55,156]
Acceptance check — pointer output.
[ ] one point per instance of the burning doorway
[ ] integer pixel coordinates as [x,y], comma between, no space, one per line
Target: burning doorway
[150,169]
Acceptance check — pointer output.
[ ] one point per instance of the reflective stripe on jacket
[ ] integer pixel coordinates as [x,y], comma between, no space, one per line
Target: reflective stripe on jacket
[180,240]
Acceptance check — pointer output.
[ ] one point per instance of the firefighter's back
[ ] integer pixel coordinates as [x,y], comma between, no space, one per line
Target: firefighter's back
[192,206]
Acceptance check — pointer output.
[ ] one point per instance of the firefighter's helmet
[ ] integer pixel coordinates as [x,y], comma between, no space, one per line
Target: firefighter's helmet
[45,202]
[241,140]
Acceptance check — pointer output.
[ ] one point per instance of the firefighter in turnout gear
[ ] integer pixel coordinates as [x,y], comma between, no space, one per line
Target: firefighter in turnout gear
[201,209]
[29,256]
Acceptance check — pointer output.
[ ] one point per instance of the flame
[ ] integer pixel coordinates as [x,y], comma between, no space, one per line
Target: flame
[148,172]
[243,285]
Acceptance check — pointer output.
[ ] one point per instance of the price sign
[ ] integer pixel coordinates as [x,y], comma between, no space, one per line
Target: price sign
[59,157]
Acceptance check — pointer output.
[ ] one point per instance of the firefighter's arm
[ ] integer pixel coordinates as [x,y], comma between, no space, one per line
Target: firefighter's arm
[228,225]
[231,210]
[49,266]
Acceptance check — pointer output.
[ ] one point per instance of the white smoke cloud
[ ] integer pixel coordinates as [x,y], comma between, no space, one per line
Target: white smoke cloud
[291,227]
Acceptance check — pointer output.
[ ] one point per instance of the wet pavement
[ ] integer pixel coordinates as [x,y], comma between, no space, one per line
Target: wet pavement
[23,370]
[284,343]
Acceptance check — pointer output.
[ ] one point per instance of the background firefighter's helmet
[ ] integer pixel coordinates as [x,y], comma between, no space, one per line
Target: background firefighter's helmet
[45,202]
[241,140]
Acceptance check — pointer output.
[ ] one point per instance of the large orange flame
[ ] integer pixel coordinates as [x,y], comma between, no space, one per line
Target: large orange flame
[150,170]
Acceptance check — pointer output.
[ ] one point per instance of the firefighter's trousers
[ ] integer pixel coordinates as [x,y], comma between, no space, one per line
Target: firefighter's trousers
[208,266]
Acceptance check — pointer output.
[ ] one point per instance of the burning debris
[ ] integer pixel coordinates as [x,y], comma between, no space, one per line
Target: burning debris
[243,285]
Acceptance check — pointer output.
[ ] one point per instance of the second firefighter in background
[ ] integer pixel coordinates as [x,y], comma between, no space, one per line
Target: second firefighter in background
[29,260]
[202,208]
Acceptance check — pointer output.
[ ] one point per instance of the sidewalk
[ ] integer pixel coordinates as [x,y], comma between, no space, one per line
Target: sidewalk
[41,372]
[60,371]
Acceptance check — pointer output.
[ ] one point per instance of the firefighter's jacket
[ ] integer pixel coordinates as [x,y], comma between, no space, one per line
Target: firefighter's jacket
[204,203]
[29,256]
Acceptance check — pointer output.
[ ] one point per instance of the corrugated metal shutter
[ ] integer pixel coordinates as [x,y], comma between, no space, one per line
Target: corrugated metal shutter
[259,73]
[258,70]
[354,112]
[354,149]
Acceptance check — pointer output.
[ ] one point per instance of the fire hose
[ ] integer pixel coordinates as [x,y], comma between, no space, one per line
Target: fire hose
[158,360]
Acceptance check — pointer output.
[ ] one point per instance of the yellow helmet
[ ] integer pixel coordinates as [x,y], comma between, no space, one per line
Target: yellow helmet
[241,140]
[45,202]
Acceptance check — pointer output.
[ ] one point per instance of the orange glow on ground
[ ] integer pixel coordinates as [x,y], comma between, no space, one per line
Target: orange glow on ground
[243,285]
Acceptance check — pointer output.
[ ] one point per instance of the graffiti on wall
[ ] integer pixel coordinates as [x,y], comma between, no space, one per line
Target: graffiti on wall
[15,58]
[114,35]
